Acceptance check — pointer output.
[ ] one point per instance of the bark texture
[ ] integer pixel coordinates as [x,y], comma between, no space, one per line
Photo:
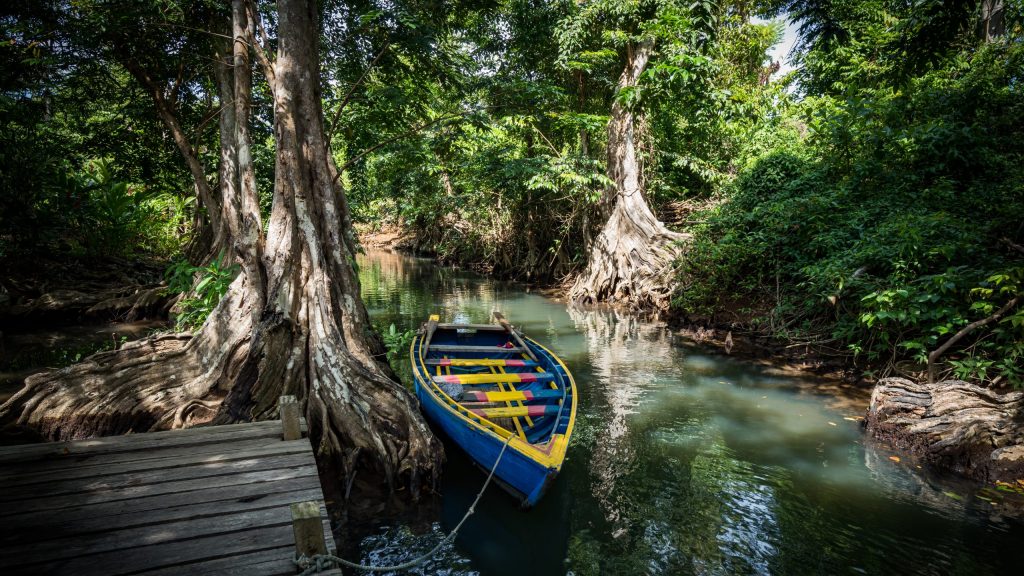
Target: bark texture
[955,425]
[631,259]
[291,323]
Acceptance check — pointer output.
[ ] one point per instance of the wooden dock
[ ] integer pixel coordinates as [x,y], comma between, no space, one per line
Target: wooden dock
[213,500]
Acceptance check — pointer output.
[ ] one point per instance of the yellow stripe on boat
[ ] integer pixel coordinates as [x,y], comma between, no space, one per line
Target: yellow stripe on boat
[512,396]
[493,378]
[516,411]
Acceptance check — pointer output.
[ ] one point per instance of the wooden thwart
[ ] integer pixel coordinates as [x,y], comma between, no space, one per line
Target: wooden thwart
[485,362]
[504,378]
[488,327]
[516,411]
[475,349]
[512,396]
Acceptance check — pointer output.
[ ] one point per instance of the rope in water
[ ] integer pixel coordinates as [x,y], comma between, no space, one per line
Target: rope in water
[320,562]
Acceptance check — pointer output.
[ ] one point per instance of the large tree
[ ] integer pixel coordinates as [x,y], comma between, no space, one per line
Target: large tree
[631,259]
[291,323]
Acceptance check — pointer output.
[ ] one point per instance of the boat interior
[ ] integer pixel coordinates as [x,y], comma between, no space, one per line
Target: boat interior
[491,372]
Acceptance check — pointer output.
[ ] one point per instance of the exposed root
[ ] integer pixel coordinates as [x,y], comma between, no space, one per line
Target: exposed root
[966,428]
[632,261]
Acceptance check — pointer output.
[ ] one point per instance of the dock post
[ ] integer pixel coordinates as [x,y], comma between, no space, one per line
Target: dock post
[309,529]
[289,409]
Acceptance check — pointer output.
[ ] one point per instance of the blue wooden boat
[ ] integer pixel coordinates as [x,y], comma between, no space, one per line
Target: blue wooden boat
[487,384]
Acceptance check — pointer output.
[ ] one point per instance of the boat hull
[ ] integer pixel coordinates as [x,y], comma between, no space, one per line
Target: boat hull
[520,475]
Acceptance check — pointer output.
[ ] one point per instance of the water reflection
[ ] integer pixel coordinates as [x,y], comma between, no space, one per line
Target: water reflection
[682,462]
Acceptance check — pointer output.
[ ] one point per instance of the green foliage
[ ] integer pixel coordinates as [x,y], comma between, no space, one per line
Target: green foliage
[202,288]
[881,228]
[397,341]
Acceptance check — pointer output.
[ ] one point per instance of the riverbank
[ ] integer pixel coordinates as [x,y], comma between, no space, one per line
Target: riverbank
[732,337]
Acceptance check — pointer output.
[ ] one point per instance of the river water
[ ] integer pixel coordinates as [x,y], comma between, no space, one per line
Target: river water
[683,461]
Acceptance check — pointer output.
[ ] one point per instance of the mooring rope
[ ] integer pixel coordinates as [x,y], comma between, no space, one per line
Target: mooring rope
[320,562]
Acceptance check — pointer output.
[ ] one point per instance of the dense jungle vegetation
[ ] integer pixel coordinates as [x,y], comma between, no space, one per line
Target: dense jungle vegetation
[869,203]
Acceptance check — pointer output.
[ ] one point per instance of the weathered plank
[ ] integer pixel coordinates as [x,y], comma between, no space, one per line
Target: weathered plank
[117,485]
[68,501]
[15,470]
[138,442]
[108,517]
[475,349]
[169,554]
[186,529]
[486,327]
[47,481]
[271,561]
[151,505]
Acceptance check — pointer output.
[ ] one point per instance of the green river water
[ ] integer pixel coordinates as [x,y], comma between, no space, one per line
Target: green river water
[683,461]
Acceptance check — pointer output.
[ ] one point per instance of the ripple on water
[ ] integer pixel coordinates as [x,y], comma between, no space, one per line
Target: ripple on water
[394,545]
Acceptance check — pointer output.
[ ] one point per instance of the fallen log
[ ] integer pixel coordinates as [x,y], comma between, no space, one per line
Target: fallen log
[969,429]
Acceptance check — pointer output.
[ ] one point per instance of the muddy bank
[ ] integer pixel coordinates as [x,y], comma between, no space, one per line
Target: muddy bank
[386,237]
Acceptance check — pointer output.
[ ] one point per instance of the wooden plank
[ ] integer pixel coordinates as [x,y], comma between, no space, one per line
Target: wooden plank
[332,548]
[139,442]
[486,362]
[59,526]
[42,482]
[113,484]
[270,473]
[128,538]
[515,411]
[271,561]
[475,349]
[167,555]
[301,479]
[99,461]
[491,378]
[486,327]
[512,396]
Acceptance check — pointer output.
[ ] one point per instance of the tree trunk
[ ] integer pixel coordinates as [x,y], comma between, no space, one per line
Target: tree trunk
[631,259]
[211,242]
[293,323]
